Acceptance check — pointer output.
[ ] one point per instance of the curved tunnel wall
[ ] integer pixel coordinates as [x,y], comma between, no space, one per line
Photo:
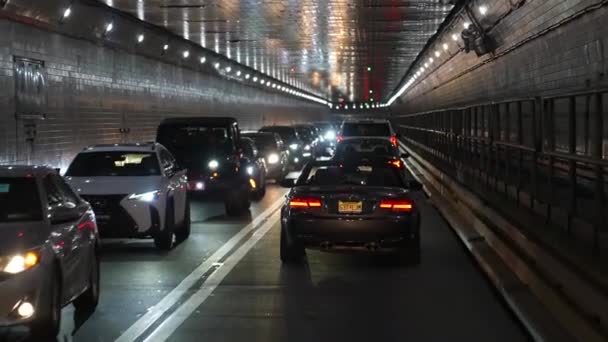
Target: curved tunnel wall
[101,94]
[543,48]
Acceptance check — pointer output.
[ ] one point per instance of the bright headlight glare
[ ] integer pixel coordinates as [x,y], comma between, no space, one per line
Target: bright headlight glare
[293,146]
[330,135]
[20,262]
[146,196]
[213,164]
[249,170]
[307,147]
[273,158]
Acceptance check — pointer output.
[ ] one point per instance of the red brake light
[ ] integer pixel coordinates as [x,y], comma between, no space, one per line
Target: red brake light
[397,205]
[305,202]
[339,138]
[394,140]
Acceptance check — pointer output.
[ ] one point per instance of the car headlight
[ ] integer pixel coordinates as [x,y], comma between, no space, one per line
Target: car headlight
[146,196]
[307,148]
[213,164]
[273,158]
[250,170]
[293,146]
[20,262]
[330,135]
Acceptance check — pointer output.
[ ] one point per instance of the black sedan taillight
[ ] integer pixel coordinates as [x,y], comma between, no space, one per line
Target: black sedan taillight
[305,202]
[399,205]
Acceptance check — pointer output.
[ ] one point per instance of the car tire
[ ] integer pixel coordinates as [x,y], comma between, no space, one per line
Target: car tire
[48,321]
[164,239]
[183,232]
[291,253]
[89,299]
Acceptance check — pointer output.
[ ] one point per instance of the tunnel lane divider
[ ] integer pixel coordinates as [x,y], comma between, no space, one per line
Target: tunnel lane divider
[550,301]
[173,322]
[215,264]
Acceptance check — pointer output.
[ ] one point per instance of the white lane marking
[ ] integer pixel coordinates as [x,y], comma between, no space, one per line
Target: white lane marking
[175,320]
[155,312]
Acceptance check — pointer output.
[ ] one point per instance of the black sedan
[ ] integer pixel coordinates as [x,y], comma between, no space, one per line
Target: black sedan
[357,205]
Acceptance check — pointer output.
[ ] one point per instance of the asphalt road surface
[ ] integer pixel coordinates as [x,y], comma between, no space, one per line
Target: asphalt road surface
[227,283]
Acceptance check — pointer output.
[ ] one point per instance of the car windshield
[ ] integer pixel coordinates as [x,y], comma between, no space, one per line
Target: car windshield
[286,133]
[114,163]
[263,142]
[19,200]
[375,147]
[356,174]
[306,133]
[187,139]
[353,129]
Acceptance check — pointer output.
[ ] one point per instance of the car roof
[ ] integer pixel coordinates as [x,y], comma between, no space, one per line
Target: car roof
[199,120]
[132,147]
[277,127]
[18,171]
[366,121]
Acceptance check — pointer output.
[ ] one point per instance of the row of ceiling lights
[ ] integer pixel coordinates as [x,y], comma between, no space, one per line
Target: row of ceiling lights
[228,69]
[483,10]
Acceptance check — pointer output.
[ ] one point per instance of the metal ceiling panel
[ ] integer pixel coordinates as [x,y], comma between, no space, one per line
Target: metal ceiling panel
[354,50]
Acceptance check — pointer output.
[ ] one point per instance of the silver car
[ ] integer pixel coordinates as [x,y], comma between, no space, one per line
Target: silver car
[48,249]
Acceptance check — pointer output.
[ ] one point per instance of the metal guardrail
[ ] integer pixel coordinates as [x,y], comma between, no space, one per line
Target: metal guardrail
[513,144]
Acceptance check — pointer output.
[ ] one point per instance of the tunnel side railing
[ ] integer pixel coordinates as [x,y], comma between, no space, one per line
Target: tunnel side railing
[547,153]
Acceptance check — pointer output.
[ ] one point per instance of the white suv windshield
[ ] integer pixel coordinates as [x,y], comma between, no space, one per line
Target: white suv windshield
[114,163]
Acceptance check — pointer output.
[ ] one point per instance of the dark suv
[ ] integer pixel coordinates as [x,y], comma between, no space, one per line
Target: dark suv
[209,147]
[292,140]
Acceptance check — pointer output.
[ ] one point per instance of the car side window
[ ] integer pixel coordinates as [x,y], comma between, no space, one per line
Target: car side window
[70,198]
[166,160]
[53,194]
[248,149]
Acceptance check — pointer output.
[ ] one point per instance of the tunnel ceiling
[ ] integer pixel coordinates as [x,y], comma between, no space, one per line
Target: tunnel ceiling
[339,49]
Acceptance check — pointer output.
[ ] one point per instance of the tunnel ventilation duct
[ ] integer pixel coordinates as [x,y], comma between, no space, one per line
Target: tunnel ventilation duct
[477,41]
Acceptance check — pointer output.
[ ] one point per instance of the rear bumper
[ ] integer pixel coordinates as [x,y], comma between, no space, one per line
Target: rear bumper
[386,233]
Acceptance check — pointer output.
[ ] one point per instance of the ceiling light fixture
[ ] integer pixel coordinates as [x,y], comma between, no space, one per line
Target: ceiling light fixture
[203,60]
[445,46]
[186,54]
[437,53]
[67,12]
[454,37]
[140,38]
[109,27]
[483,9]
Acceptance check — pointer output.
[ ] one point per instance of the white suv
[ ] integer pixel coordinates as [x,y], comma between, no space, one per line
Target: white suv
[136,191]
[367,128]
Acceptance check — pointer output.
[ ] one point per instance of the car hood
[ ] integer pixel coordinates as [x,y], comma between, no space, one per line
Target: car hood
[20,236]
[114,185]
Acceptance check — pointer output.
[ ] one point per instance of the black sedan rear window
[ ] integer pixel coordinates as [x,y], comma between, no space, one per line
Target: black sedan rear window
[108,164]
[358,175]
[356,129]
[19,200]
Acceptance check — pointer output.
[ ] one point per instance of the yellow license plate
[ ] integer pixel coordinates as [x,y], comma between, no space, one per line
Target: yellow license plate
[345,207]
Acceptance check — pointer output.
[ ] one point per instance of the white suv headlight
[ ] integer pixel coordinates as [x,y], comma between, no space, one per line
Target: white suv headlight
[149,196]
[293,146]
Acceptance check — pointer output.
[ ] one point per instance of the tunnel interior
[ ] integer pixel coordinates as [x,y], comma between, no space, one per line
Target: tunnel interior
[502,101]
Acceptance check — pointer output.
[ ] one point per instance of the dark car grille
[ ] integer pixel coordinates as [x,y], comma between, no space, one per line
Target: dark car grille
[112,219]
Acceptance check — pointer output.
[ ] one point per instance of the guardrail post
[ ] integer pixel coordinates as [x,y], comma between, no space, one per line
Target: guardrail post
[520,157]
[507,148]
[549,129]
[596,152]
[572,162]
[537,140]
